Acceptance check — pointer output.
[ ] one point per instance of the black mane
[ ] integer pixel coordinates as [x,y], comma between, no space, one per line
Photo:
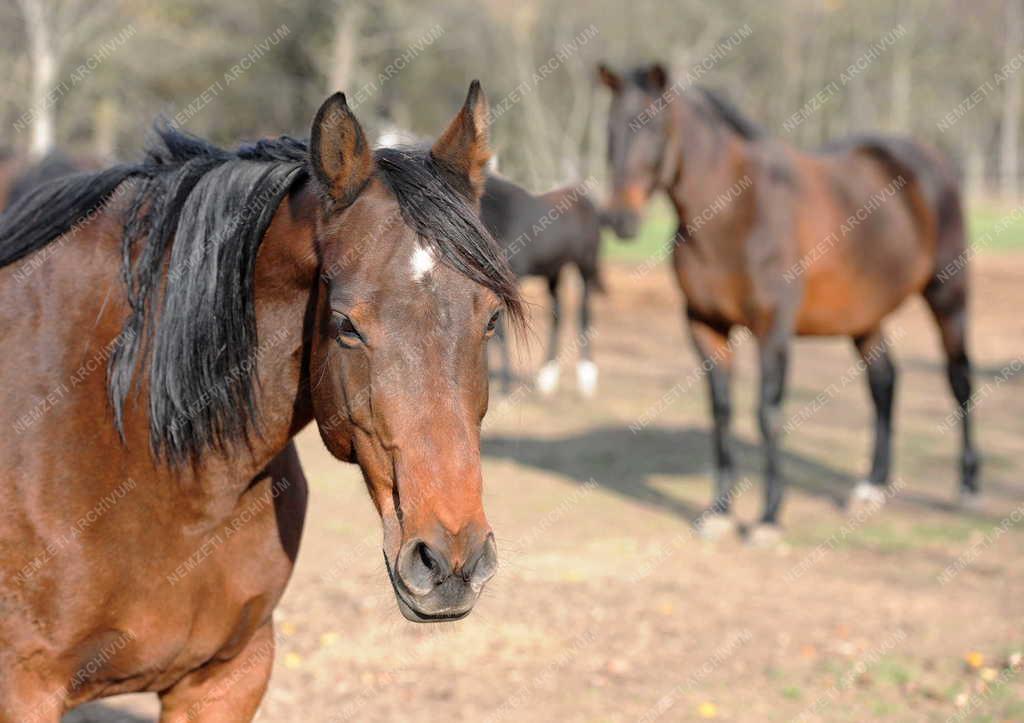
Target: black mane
[202,211]
[730,114]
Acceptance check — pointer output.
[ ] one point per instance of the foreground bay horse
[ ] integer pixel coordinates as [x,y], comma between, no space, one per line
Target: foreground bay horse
[542,234]
[192,314]
[784,242]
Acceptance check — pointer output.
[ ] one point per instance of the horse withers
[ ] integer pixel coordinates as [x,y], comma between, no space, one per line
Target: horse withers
[784,242]
[153,510]
[541,236]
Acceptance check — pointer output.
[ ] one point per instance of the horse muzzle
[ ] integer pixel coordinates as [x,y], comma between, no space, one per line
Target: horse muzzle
[429,588]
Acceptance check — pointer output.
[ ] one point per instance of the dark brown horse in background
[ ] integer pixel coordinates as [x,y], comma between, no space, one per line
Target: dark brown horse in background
[152,513]
[784,242]
[541,235]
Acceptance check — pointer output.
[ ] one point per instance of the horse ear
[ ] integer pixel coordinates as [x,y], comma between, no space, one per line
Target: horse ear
[463,148]
[658,76]
[609,77]
[338,151]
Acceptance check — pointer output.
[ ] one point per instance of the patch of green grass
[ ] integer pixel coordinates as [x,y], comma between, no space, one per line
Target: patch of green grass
[792,692]
[889,536]
[994,226]
[894,671]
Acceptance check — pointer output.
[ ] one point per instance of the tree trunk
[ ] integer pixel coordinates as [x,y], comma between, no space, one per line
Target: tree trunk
[900,88]
[347,23]
[1009,146]
[44,61]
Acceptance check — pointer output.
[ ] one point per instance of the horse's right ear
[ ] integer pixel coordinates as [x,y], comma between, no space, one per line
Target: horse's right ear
[609,77]
[338,151]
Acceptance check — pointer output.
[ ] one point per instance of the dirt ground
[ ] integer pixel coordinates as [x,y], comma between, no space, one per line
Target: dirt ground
[608,608]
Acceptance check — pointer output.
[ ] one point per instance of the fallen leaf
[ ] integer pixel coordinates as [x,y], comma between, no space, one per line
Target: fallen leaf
[989,674]
[292,661]
[974,660]
[707,709]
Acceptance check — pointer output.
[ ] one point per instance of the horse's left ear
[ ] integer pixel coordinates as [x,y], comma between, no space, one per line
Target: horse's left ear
[338,151]
[463,149]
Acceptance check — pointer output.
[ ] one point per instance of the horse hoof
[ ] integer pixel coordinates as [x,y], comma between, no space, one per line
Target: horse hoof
[586,378]
[715,526]
[971,500]
[865,497]
[547,378]
[765,534]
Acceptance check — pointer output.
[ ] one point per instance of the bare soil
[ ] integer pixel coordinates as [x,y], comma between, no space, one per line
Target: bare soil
[607,607]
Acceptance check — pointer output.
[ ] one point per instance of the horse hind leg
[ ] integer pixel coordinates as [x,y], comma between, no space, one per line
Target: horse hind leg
[947,298]
[881,377]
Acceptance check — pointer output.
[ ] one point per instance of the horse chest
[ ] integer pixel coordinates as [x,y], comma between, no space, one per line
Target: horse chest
[714,291]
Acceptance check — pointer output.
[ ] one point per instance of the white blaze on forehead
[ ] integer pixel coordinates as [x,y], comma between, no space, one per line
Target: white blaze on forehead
[422,262]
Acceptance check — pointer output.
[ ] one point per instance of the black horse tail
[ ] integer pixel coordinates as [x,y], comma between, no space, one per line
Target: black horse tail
[54,208]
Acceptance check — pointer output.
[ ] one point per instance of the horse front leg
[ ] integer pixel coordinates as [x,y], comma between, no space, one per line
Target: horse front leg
[223,691]
[774,359]
[716,355]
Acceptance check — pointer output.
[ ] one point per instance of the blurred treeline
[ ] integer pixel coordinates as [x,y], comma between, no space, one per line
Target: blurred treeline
[413,61]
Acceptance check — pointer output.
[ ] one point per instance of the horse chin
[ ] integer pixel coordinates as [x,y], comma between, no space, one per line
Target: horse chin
[411,614]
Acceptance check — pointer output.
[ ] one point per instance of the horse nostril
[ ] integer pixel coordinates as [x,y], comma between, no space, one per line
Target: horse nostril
[421,568]
[427,557]
[478,572]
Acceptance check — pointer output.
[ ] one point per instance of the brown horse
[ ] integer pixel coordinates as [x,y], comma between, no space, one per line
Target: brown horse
[152,514]
[784,242]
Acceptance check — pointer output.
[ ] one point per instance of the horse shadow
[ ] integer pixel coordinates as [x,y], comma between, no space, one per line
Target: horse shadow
[627,462]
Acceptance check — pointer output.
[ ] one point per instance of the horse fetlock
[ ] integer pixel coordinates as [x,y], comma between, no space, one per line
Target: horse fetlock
[547,378]
[586,377]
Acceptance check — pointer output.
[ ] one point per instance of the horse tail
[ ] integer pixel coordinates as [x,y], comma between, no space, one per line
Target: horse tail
[54,208]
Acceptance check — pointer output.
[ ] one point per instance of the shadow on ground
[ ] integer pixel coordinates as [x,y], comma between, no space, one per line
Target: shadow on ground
[625,462]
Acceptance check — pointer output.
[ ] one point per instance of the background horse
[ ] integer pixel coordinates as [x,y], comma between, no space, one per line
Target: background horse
[152,517]
[783,242]
[542,234]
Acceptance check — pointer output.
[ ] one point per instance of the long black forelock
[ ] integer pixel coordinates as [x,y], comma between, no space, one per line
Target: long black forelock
[434,206]
[196,217]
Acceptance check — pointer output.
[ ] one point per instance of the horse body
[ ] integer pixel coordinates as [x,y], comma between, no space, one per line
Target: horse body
[788,243]
[542,234]
[154,498]
[154,519]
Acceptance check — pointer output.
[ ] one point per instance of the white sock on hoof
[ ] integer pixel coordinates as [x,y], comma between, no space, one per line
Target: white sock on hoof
[586,377]
[547,378]
[866,493]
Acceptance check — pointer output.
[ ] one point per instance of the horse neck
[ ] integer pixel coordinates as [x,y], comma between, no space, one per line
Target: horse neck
[285,285]
[285,291]
[709,158]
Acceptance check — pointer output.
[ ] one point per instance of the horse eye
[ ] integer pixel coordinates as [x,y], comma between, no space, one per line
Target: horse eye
[493,323]
[344,329]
